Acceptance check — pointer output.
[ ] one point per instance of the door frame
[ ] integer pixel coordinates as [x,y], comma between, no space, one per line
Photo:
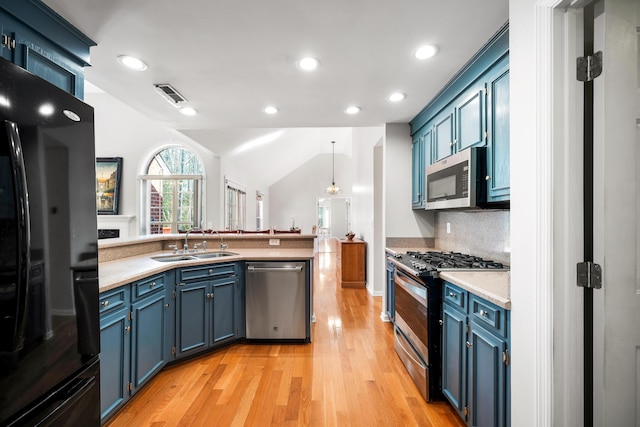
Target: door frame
[547,342]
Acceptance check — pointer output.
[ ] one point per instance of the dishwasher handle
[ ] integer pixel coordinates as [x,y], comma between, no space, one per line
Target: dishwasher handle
[252,268]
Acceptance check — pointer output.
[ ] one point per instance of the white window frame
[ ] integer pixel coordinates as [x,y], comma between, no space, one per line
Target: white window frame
[145,195]
[235,216]
[260,203]
[174,223]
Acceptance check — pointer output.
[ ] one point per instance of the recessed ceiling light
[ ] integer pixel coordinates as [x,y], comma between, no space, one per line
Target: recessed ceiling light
[352,110]
[188,111]
[270,109]
[71,115]
[308,63]
[398,96]
[426,51]
[132,62]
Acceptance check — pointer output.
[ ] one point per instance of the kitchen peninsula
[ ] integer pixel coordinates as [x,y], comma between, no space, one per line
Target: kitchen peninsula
[154,311]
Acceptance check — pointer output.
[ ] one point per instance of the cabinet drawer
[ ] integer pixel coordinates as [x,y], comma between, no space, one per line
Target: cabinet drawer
[114,299]
[206,272]
[148,286]
[455,296]
[490,316]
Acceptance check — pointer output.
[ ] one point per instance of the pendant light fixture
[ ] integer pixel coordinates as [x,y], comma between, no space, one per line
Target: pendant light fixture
[333,189]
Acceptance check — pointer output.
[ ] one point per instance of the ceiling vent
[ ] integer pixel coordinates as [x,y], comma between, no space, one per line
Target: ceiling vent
[170,94]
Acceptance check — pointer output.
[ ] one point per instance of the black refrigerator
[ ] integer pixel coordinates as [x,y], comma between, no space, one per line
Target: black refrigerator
[49,320]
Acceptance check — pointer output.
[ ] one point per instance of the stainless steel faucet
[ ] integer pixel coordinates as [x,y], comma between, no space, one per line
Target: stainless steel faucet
[186,239]
[223,245]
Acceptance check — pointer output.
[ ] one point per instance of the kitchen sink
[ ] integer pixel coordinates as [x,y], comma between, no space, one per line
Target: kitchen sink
[213,255]
[185,257]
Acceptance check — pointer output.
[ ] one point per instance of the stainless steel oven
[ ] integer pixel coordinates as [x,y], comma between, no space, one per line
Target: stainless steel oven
[413,337]
[418,307]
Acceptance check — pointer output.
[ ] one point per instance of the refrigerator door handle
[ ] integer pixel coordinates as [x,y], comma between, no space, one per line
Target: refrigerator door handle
[24,232]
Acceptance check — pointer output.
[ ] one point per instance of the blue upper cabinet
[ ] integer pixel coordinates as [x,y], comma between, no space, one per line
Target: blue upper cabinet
[40,41]
[421,150]
[470,118]
[417,167]
[443,136]
[498,146]
[473,110]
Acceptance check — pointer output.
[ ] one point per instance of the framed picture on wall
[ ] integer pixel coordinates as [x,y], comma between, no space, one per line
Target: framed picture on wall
[108,174]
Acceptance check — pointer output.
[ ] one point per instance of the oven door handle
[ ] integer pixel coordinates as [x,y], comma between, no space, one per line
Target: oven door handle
[402,342]
[415,290]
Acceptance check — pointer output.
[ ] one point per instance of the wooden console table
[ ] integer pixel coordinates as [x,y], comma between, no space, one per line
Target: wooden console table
[351,255]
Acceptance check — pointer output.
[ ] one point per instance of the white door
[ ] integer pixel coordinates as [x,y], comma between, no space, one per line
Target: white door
[617,215]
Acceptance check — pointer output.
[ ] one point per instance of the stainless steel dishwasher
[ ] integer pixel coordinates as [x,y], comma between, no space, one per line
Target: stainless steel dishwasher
[277,301]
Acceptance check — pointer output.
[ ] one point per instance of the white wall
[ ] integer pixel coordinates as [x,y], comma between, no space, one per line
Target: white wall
[400,219]
[238,172]
[362,217]
[295,194]
[123,132]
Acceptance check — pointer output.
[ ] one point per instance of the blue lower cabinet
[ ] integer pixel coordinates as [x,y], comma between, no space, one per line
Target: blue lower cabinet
[224,319]
[454,357]
[475,358]
[486,381]
[192,317]
[134,339]
[115,355]
[146,324]
[149,338]
[208,312]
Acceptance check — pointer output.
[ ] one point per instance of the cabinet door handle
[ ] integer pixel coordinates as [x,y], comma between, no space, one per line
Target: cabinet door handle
[153,285]
[468,344]
[487,178]
[484,313]
[452,295]
[166,306]
[127,328]
[211,271]
[105,303]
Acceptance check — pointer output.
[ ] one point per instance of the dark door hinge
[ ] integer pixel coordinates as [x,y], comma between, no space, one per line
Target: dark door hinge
[130,315]
[589,275]
[130,386]
[173,350]
[466,413]
[506,358]
[589,67]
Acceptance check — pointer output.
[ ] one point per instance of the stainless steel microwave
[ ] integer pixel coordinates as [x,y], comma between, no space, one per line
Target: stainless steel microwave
[457,181]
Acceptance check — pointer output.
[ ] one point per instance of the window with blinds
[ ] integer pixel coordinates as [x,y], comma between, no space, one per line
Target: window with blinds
[235,206]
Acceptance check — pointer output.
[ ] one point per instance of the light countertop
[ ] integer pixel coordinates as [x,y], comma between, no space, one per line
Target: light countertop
[494,286]
[126,270]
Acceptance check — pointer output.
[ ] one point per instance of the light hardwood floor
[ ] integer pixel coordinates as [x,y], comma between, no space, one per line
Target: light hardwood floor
[348,376]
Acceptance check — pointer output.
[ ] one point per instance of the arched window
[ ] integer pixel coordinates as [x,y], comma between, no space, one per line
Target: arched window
[173,192]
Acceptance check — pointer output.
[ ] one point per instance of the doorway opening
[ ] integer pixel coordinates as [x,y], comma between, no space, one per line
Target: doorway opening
[333,216]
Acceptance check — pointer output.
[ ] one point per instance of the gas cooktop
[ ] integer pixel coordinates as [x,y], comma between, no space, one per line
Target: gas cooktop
[432,262]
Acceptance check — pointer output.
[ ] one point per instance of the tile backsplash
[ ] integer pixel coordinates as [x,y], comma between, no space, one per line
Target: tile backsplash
[481,233]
